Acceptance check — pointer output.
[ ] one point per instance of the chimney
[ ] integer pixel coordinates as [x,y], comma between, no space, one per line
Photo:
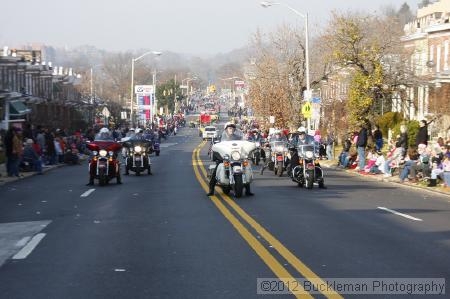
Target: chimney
[5,51]
[49,64]
[60,71]
[55,71]
[70,72]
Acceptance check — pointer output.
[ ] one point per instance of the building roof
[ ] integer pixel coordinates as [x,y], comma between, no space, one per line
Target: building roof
[439,6]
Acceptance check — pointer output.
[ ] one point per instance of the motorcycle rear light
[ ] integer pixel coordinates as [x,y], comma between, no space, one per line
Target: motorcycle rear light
[245,163]
[310,166]
[279,158]
[226,164]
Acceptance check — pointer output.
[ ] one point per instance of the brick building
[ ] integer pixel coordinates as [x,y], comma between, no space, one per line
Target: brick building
[427,41]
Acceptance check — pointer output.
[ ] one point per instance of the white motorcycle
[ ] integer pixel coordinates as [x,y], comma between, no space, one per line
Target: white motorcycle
[235,172]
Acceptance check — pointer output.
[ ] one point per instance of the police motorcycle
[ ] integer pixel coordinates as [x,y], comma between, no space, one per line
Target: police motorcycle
[137,154]
[258,153]
[279,154]
[103,163]
[306,169]
[234,172]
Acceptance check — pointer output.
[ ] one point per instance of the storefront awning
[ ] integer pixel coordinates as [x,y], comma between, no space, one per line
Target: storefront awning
[18,108]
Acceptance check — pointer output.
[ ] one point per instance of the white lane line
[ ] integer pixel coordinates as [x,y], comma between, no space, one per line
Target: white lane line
[86,194]
[165,145]
[24,252]
[23,241]
[400,214]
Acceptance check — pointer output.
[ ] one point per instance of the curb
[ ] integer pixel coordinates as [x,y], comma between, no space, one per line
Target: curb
[386,180]
[32,174]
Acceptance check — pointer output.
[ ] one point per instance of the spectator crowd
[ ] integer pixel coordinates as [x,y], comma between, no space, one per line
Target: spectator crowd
[425,161]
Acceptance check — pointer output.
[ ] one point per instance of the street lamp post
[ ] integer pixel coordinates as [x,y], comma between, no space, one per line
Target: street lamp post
[133,60]
[267,4]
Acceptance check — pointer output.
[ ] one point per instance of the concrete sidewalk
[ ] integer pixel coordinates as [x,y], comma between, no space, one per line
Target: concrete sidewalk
[381,178]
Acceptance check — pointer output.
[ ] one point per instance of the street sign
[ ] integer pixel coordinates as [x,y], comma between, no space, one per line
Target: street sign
[272,119]
[105,112]
[307,95]
[239,83]
[123,115]
[143,89]
[307,110]
[184,87]
[316,100]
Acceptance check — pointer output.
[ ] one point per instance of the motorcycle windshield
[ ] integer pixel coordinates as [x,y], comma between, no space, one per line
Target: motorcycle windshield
[278,146]
[306,148]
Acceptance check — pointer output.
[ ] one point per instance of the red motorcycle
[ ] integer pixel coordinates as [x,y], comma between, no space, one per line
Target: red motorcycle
[104,165]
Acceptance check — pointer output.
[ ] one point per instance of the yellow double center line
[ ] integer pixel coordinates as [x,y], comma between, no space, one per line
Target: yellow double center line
[263,253]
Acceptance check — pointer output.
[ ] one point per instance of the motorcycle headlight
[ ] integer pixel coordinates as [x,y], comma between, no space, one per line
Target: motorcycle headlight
[103,153]
[235,156]
[95,153]
[138,149]
[226,157]
[309,154]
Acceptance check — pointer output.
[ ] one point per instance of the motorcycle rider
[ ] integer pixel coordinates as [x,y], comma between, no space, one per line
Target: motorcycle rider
[103,139]
[302,139]
[139,135]
[229,133]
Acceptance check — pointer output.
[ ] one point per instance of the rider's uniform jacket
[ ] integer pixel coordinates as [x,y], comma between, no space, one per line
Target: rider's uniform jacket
[232,137]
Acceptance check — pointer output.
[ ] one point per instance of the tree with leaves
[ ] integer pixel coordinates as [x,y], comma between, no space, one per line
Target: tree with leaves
[370,46]
[168,94]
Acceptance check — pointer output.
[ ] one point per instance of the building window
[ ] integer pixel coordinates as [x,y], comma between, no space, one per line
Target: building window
[438,59]
[446,55]
[432,53]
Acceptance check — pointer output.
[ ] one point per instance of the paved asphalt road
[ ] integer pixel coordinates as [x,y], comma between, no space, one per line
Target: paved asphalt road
[160,236]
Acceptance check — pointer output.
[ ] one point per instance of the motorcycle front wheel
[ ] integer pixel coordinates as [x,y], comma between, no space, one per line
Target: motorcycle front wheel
[279,169]
[238,186]
[102,179]
[310,180]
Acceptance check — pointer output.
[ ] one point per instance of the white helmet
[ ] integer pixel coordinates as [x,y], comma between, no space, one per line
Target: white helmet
[301,130]
[131,129]
[229,124]
[104,130]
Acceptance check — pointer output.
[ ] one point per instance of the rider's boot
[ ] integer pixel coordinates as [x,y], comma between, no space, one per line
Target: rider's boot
[91,181]
[247,191]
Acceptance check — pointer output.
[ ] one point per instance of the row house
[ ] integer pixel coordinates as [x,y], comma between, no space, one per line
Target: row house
[427,42]
[29,86]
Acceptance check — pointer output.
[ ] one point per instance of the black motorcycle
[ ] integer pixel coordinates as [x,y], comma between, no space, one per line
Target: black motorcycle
[137,156]
[305,166]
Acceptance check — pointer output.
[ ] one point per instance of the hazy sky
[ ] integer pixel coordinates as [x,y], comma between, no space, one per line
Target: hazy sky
[195,27]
